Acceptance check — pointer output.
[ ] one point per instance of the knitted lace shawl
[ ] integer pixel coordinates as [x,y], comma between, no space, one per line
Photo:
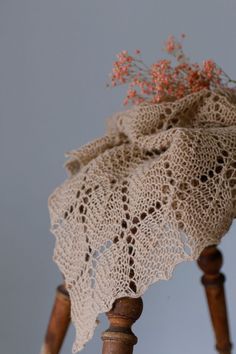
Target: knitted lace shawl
[157,189]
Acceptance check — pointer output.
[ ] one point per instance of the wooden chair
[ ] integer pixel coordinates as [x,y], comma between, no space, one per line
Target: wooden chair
[119,338]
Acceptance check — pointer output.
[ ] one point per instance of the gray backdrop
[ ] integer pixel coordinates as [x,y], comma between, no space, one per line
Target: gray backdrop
[55,57]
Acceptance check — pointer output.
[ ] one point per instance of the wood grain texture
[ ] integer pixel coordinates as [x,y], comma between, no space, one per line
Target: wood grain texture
[119,338]
[210,261]
[58,323]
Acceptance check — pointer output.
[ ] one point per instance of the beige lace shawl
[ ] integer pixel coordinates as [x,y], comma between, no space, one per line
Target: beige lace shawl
[157,189]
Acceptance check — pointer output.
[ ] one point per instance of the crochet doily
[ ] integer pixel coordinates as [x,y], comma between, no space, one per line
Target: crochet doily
[157,189]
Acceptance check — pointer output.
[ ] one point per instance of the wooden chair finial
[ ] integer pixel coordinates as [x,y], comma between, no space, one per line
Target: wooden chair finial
[119,338]
[210,261]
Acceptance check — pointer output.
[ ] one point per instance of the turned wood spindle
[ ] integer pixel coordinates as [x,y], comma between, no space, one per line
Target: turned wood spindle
[119,338]
[58,323]
[210,261]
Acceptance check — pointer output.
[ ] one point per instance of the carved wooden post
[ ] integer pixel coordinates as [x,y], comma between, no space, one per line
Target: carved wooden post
[58,323]
[119,338]
[210,261]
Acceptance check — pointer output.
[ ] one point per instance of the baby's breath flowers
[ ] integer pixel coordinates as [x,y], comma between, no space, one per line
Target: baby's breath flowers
[165,80]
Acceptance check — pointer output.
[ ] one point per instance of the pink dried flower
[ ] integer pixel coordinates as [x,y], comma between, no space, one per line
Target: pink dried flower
[170,45]
[164,80]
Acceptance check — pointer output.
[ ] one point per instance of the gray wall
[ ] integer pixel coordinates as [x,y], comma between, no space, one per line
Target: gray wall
[55,56]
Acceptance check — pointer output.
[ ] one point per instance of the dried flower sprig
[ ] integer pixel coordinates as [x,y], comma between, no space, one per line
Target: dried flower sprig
[165,80]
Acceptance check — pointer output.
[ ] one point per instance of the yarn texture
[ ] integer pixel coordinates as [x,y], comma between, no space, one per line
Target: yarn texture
[157,189]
